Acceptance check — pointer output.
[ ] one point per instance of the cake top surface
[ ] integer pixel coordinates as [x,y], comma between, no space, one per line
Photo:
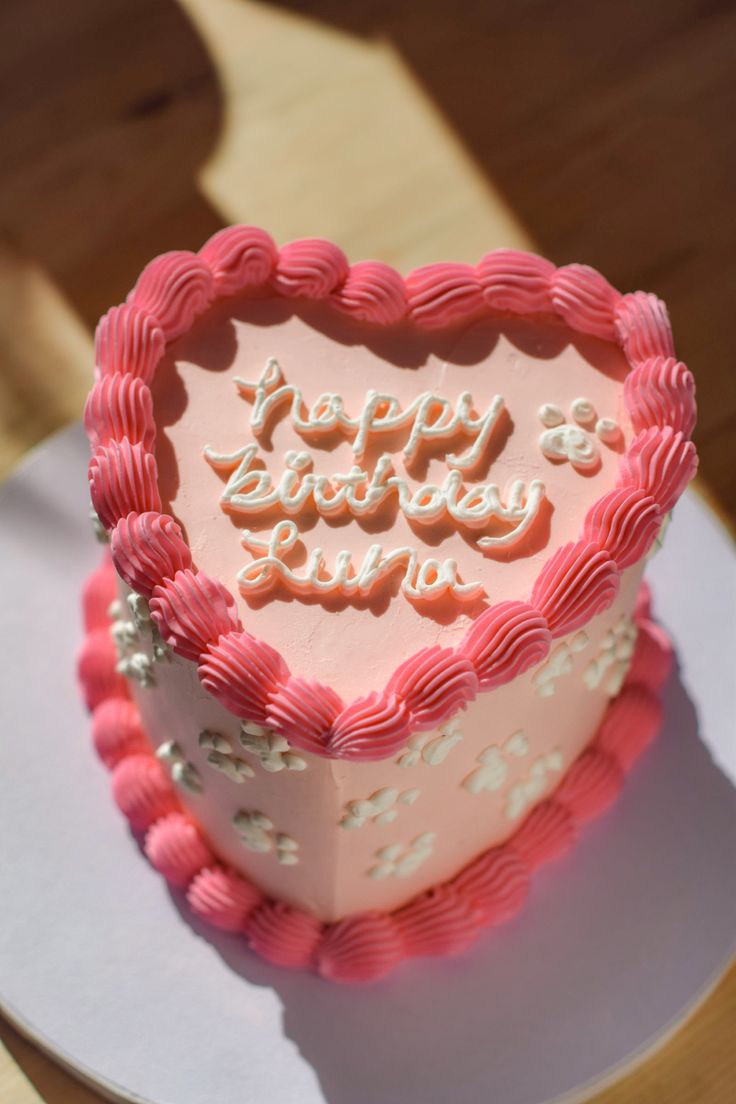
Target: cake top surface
[387,494]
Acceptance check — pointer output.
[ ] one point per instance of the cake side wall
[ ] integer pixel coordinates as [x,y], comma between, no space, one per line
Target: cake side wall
[335,837]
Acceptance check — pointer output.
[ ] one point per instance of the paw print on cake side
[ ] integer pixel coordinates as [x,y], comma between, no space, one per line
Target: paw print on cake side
[221,757]
[272,751]
[183,773]
[131,625]
[423,747]
[614,656]
[493,768]
[559,664]
[576,443]
[523,794]
[257,833]
[380,807]
[399,860]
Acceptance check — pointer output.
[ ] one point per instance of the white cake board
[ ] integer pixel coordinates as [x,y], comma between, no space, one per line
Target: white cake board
[102,966]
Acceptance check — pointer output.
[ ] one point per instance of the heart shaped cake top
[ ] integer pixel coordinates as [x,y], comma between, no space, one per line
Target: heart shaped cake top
[357,501]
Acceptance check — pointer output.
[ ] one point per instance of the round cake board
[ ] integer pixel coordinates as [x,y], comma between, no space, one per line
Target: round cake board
[102,965]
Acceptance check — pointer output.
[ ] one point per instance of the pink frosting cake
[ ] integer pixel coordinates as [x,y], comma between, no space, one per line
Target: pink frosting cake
[370,640]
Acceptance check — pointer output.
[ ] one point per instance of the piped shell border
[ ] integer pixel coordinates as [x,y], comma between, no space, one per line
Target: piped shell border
[196,615]
[444,920]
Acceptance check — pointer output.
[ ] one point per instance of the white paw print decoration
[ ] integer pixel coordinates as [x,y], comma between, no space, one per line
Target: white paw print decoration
[399,860]
[576,443]
[432,750]
[183,773]
[612,662]
[221,757]
[559,663]
[257,833]
[380,807]
[272,751]
[523,794]
[493,769]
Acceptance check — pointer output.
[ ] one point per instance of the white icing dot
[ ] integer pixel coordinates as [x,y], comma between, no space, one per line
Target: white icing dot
[551,415]
[608,430]
[583,411]
[408,797]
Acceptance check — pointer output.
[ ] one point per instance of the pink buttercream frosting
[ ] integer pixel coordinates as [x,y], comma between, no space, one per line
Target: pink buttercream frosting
[283,935]
[643,327]
[439,294]
[174,846]
[192,610]
[174,288]
[97,671]
[304,711]
[310,268]
[663,462]
[123,477]
[120,406]
[243,673]
[142,790]
[585,300]
[660,391]
[147,549]
[578,582]
[222,898]
[239,257]
[514,281]
[624,522]
[547,833]
[434,682]
[505,641]
[372,292]
[98,593]
[117,731]
[371,727]
[128,341]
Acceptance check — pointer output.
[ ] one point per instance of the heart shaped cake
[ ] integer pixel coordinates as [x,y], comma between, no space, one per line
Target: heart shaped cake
[370,640]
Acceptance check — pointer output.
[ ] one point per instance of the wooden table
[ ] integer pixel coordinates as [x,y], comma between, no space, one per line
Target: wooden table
[409,131]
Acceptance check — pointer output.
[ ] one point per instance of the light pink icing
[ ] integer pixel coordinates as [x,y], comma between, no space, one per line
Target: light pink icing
[239,257]
[575,584]
[142,790]
[120,406]
[128,341]
[222,898]
[624,522]
[174,846]
[283,935]
[147,549]
[174,288]
[117,731]
[192,610]
[122,478]
[585,300]
[661,461]
[96,669]
[98,593]
[660,391]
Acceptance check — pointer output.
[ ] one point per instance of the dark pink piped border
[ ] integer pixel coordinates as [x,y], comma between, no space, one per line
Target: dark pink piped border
[196,615]
[444,920]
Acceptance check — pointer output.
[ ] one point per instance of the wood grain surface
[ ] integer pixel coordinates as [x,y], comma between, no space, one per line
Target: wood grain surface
[409,131]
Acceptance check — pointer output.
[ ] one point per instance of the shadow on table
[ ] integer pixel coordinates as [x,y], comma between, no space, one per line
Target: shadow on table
[109,111]
[587,969]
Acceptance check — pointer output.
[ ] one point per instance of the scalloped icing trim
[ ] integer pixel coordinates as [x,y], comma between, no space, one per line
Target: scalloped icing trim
[446,919]
[574,584]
